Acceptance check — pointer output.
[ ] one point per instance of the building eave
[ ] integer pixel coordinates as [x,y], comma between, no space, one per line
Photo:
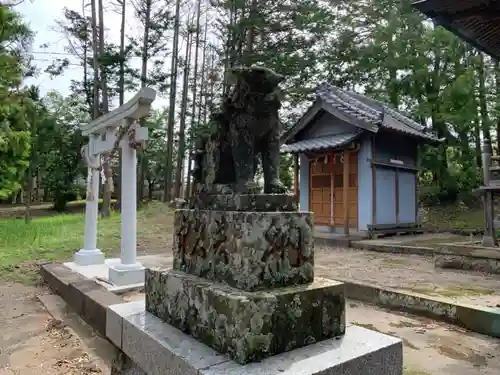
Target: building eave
[476,22]
[328,142]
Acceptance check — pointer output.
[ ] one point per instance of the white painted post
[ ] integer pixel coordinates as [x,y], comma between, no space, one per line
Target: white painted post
[129,271]
[90,254]
[129,205]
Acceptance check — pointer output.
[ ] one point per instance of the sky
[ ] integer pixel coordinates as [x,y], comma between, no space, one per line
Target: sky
[42,15]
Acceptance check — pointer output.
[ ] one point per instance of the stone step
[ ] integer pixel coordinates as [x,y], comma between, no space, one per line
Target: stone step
[152,347]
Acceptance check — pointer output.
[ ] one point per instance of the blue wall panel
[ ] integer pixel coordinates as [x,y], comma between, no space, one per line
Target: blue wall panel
[303,183]
[407,209]
[364,183]
[386,196]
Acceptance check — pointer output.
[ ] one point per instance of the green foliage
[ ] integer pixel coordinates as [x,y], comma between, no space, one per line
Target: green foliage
[14,112]
[62,160]
[386,47]
[286,170]
[382,47]
[154,156]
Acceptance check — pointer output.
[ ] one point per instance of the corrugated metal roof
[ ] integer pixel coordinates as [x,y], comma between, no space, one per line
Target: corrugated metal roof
[475,21]
[371,111]
[320,143]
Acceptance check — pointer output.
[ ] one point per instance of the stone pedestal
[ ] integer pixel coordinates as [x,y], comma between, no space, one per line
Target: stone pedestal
[248,326]
[243,278]
[246,250]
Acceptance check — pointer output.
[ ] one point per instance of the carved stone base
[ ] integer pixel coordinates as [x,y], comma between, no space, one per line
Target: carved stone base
[248,326]
[246,250]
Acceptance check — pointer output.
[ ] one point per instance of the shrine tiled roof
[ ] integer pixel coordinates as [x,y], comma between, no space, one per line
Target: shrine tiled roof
[321,143]
[362,111]
[372,111]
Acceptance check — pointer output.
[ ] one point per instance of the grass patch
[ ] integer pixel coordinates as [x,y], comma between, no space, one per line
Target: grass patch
[414,371]
[58,237]
[437,241]
[456,291]
[454,217]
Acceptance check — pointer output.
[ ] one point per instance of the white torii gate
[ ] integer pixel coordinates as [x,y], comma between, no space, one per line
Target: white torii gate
[103,137]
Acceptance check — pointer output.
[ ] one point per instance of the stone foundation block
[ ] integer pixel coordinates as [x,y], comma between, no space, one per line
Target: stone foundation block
[248,326]
[466,263]
[246,250]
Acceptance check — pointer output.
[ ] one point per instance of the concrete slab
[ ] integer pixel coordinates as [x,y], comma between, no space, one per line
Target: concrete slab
[360,351]
[414,238]
[114,319]
[158,348]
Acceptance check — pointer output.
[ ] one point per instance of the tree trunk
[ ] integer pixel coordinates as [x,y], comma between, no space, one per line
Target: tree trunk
[182,127]
[30,179]
[187,190]
[121,100]
[95,65]
[45,194]
[38,184]
[167,194]
[485,123]
[230,45]
[151,186]
[203,76]
[27,211]
[106,196]
[251,33]
[210,91]
[497,99]
[121,83]
[477,143]
[88,94]
[144,75]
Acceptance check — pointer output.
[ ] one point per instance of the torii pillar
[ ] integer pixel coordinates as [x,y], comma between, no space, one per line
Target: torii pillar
[129,271]
[90,254]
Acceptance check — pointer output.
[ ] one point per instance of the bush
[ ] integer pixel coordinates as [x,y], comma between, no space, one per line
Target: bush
[433,195]
[63,196]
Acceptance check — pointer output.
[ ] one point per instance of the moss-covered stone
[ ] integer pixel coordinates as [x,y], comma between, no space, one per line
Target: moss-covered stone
[246,250]
[248,202]
[248,326]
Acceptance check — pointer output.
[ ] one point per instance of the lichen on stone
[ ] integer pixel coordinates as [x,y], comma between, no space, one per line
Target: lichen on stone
[247,250]
[248,326]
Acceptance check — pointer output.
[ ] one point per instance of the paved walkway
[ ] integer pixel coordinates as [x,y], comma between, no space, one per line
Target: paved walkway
[430,347]
[408,272]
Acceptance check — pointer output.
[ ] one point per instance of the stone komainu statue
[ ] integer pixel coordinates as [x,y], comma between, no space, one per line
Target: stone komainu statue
[248,126]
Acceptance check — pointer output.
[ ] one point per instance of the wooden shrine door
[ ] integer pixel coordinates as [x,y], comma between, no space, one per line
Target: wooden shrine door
[320,191]
[338,190]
